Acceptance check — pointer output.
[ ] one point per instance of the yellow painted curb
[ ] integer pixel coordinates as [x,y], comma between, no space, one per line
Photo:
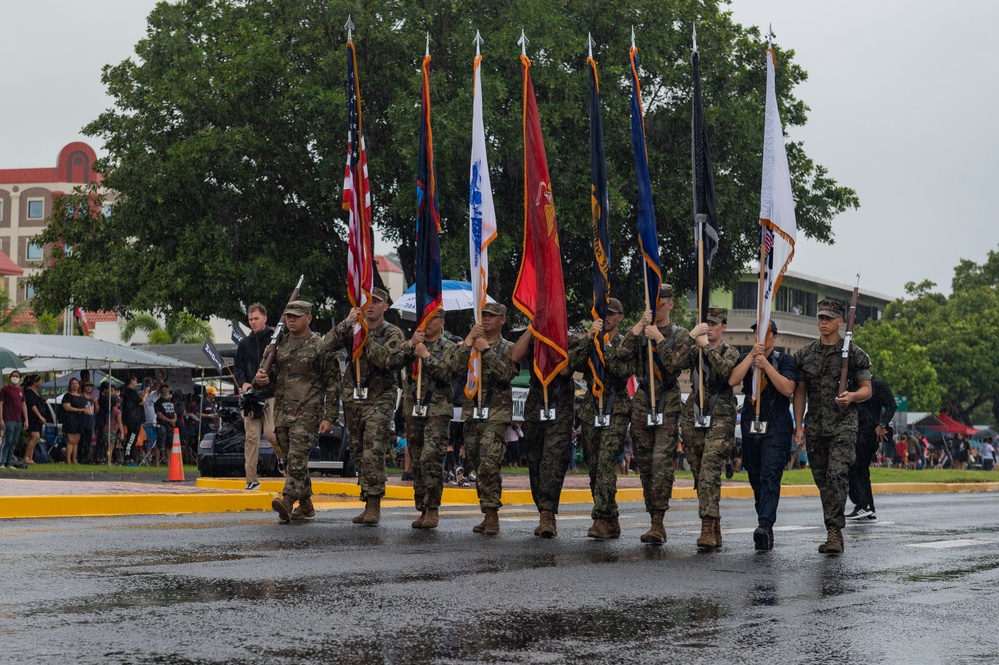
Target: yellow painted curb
[90,505]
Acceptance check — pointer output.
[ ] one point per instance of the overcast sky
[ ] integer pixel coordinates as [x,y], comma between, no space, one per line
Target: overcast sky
[903,100]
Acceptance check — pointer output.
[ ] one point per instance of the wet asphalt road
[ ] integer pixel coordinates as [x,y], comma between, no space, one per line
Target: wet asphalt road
[922,586]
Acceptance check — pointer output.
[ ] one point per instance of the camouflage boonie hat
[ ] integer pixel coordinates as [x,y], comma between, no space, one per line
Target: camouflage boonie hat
[379,294]
[298,308]
[717,315]
[494,308]
[831,308]
[666,291]
[614,305]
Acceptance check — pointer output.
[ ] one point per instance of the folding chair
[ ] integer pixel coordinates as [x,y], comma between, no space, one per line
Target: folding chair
[149,445]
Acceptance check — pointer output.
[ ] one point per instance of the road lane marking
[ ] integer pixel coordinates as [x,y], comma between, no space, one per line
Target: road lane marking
[959,542]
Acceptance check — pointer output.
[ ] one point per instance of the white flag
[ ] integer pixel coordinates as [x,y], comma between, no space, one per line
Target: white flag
[778,228]
[482,222]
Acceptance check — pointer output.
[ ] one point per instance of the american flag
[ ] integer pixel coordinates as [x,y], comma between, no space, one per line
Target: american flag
[357,202]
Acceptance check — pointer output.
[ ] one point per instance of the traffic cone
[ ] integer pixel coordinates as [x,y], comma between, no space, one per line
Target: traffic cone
[176,460]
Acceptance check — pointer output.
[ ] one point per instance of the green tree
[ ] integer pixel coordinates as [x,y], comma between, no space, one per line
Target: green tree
[904,366]
[226,145]
[178,328]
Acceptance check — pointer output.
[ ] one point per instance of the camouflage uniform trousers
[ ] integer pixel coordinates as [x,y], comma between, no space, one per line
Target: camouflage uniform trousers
[485,445]
[370,425]
[707,451]
[830,458]
[549,447]
[298,439]
[427,441]
[602,446]
[655,452]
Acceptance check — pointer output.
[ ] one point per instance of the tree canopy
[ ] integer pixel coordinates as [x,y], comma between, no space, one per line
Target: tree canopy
[226,146]
[942,351]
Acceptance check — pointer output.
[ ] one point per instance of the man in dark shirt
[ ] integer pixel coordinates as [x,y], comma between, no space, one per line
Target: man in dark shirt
[256,420]
[166,420]
[766,454]
[131,416]
[874,426]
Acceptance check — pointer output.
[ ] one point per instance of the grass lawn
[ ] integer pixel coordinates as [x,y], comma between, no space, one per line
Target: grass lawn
[94,468]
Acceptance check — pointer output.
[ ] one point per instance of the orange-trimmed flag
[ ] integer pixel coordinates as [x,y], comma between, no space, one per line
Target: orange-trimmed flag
[540,290]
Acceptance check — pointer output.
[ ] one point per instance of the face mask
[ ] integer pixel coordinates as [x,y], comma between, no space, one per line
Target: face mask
[15,380]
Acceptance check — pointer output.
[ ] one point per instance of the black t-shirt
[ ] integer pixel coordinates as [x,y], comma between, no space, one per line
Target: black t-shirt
[131,407]
[166,407]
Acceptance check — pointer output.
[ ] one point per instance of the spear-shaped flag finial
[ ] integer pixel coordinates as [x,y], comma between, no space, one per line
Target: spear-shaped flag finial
[589,44]
[478,42]
[632,36]
[695,36]
[428,44]
[349,26]
[523,41]
[770,35]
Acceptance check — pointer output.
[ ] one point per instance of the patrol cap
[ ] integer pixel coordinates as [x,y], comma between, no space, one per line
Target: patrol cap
[298,308]
[666,291]
[379,294]
[494,308]
[773,326]
[831,308]
[717,315]
[614,305]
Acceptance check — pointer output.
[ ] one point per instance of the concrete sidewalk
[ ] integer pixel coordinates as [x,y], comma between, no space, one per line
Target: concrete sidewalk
[22,498]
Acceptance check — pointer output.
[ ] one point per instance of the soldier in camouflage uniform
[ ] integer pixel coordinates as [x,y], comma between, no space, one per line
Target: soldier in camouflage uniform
[427,435]
[548,443]
[708,449]
[306,377]
[485,439]
[655,447]
[603,445]
[369,420]
[831,421]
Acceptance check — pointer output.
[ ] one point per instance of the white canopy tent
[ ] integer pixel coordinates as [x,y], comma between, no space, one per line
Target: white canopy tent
[53,353]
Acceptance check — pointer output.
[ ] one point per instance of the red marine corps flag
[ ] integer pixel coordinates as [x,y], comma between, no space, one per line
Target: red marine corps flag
[357,202]
[540,291]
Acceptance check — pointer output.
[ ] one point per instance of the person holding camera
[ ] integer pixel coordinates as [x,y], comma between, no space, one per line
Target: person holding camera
[258,407]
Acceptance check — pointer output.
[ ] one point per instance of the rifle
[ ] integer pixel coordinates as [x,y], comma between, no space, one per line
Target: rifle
[270,353]
[848,338]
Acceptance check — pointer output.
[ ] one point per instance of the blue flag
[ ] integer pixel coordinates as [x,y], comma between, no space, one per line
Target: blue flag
[648,241]
[428,221]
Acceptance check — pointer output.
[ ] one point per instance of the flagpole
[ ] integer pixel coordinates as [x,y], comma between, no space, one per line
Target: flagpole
[759,326]
[700,312]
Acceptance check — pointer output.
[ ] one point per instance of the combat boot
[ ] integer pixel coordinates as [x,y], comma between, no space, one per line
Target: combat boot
[600,529]
[707,539]
[364,513]
[374,509]
[547,526]
[718,542]
[283,503]
[418,522]
[657,534]
[481,526]
[613,528]
[834,541]
[304,509]
[490,525]
[431,518]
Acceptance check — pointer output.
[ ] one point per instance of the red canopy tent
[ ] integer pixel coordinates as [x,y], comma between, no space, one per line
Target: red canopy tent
[951,426]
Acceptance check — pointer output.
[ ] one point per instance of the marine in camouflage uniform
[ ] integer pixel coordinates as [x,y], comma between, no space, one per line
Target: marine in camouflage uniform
[485,440]
[306,377]
[603,445]
[831,421]
[655,447]
[548,443]
[427,436]
[369,420]
[708,449]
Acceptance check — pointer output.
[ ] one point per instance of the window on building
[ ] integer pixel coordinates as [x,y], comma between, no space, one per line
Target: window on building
[36,209]
[33,252]
[1,211]
[796,301]
[29,291]
[745,296]
[106,209]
